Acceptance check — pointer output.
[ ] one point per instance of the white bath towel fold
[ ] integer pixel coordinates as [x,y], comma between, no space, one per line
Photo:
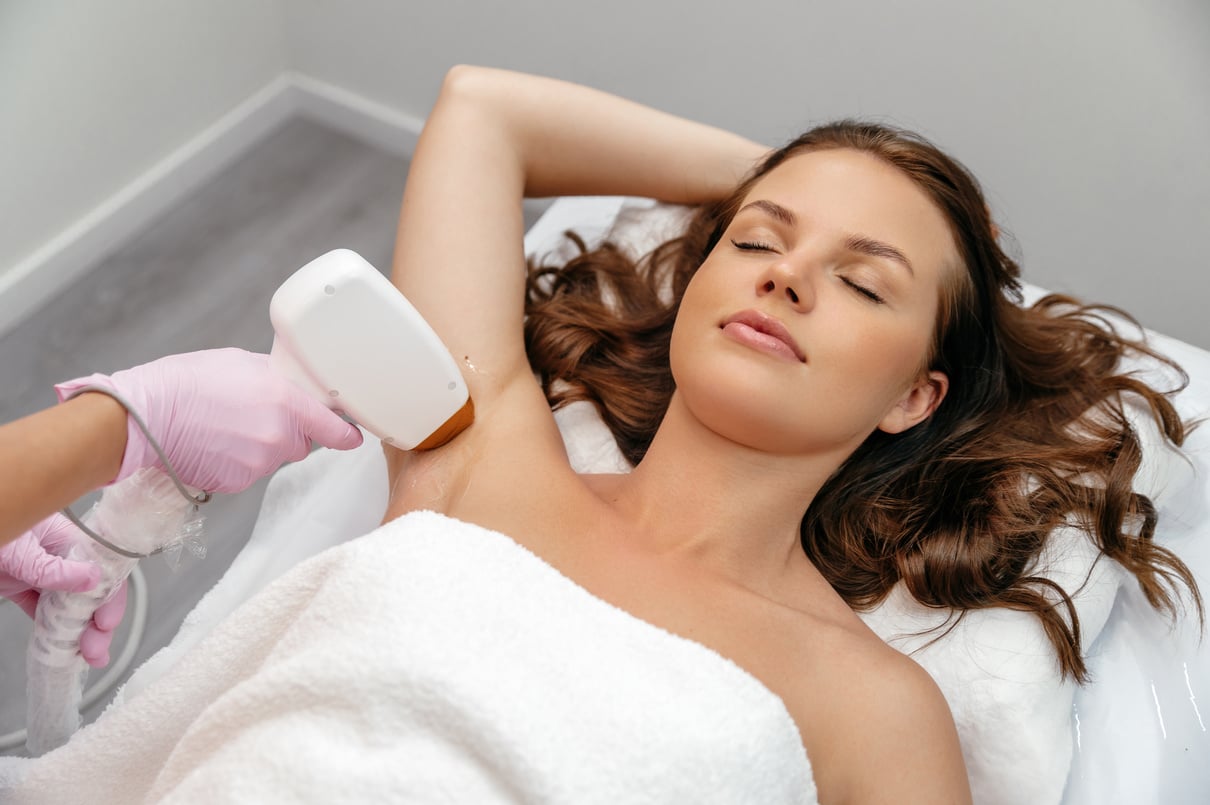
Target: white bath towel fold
[435,661]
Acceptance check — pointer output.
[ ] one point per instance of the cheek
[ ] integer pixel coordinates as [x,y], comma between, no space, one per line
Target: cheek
[680,348]
[873,357]
[698,305]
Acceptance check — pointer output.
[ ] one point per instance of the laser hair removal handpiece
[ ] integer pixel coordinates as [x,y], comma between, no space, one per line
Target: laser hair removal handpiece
[346,335]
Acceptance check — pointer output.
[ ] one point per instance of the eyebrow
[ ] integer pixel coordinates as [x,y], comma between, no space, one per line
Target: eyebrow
[854,243]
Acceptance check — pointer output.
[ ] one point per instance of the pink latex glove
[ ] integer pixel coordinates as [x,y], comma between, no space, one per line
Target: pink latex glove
[224,417]
[33,563]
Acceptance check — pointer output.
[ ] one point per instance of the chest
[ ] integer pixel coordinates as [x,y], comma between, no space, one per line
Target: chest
[555,516]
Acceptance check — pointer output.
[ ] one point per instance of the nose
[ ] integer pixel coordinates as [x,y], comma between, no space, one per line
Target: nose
[783,280]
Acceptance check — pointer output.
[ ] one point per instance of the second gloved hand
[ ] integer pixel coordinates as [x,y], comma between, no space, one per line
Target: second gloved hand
[31,564]
[224,417]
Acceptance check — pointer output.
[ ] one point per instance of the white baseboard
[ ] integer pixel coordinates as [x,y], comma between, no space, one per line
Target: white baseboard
[359,117]
[64,258]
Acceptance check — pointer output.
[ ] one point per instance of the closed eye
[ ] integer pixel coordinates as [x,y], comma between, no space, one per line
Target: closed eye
[761,246]
[752,245]
[864,291]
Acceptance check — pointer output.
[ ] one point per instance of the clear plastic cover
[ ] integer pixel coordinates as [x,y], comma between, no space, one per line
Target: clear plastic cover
[142,514]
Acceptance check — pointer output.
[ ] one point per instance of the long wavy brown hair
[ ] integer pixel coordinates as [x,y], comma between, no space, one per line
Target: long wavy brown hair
[1031,436]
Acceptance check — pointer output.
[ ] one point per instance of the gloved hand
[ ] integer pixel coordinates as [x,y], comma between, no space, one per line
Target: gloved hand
[224,417]
[32,563]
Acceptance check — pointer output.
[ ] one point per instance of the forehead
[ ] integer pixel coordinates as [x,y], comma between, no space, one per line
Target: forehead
[849,192]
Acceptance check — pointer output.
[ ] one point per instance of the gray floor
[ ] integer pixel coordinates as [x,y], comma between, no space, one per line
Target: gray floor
[200,277]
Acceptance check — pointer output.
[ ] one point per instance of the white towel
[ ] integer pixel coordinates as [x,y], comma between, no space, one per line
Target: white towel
[435,661]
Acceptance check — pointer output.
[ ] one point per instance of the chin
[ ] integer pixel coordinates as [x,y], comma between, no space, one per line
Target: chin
[749,405]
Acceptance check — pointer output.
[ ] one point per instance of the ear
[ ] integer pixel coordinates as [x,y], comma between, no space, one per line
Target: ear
[920,401]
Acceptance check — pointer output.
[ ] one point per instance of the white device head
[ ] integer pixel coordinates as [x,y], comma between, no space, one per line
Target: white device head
[345,334]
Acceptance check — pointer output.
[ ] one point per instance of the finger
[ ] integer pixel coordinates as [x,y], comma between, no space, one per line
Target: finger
[49,572]
[27,600]
[327,428]
[109,615]
[94,646]
[57,534]
[68,575]
[98,635]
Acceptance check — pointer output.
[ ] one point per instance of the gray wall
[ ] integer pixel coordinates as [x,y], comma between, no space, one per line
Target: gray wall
[94,95]
[1085,119]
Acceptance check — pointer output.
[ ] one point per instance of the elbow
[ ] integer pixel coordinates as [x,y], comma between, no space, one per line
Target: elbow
[481,99]
[460,74]
[468,82]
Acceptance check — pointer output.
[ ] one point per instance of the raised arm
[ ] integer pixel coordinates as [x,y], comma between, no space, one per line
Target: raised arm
[494,137]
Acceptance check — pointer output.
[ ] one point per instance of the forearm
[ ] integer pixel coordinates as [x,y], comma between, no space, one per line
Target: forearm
[573,140]
[50,458]
[494,137]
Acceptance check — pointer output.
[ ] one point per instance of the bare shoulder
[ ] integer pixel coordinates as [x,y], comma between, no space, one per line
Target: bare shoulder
[918,757]
[878,727]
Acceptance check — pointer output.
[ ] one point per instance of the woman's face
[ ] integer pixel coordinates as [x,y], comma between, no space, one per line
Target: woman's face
[808,325]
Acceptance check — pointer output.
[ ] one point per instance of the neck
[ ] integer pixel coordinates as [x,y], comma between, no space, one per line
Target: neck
[727,507]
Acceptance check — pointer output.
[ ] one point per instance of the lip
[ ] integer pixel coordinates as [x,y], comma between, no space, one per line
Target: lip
[756,328]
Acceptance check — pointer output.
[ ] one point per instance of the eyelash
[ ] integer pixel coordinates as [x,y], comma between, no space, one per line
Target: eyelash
[752,246]
[758,246]
[866,292]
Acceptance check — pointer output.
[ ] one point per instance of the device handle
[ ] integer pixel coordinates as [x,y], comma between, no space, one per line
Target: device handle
[283,361]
